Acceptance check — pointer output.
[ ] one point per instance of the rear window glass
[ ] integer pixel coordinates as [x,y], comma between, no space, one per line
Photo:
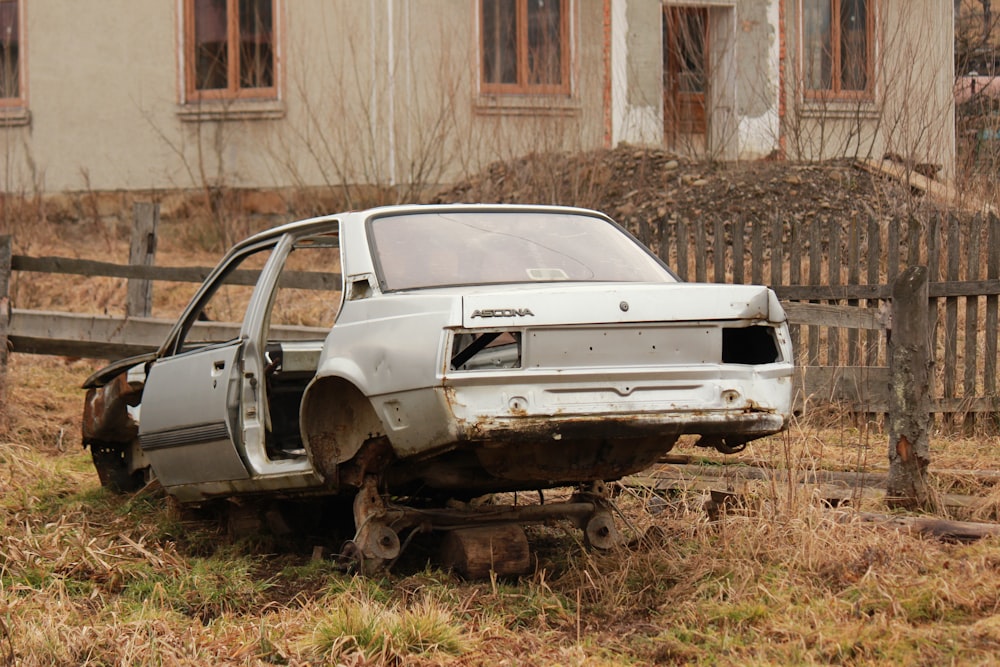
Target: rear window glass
[443,249]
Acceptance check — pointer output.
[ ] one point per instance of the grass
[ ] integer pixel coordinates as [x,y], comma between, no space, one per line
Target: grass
[87,577]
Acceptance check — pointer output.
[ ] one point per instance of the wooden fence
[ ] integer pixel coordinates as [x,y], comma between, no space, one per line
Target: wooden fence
[834,281]
[845,272]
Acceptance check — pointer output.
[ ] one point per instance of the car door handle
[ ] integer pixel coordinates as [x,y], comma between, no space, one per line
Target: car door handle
[219,364]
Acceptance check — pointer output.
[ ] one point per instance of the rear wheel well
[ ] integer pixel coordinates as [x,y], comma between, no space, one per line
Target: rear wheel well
[336,420]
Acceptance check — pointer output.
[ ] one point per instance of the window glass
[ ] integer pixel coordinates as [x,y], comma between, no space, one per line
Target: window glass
[818,49]
[256,39]
[524,47]
[10,50]
[477,248]
[544,49]
[836,46]
[500,41]
[211,45]
[232,48]
[854,44]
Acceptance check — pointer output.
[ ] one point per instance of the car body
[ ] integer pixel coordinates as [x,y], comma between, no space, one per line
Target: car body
[463,350]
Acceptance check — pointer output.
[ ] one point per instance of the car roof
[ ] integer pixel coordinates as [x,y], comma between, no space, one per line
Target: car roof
[305,225]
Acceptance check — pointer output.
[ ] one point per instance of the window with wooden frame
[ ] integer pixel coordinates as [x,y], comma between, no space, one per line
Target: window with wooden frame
[11,54]
[230,49]
[837,48]
[525,46]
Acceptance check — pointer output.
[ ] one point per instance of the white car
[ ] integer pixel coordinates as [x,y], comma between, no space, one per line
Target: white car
[447,352]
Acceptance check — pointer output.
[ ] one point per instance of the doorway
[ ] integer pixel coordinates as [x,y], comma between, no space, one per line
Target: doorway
[686,78]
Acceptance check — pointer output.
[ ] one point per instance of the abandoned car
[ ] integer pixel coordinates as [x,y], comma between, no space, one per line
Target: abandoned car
[440,353]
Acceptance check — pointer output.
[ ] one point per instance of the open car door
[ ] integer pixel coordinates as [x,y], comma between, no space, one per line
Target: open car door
[187,428]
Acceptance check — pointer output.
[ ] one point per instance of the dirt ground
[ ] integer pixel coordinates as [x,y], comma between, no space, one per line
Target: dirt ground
[640,187]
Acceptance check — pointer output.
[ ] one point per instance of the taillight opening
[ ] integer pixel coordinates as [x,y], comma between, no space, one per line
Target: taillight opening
[750,345]
[484,350]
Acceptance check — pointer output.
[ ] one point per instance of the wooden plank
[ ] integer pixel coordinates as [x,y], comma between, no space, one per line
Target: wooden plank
[837,492]
[142,252]
[951,311]
[990,325]
[892,250]
[937,190]
[913,244]
[683,242]
[719,251]
[821,314]
[794,276]
[873,257]
[316,280]
[853,278]
[756,253]
[815,259]
[834,261]
[943,529]
[739,229]
[859,389]
[909,409]
[700,253]
[950,288]
[5,262]
[104,337]
[934,273]
[831,292]
[970,367]
[777,252]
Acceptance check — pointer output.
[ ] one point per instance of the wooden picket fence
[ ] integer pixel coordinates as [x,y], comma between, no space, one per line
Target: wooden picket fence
[849,268]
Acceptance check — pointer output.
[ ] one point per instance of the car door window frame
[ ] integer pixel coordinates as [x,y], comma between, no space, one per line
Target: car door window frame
[174,344]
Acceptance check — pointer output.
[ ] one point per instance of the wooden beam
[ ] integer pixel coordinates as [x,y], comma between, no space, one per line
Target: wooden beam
[909,411]
[104,337]
[317,280]
[948,288]
[940,191]
[942,529]
[848,317]
[5,262]
[142,252]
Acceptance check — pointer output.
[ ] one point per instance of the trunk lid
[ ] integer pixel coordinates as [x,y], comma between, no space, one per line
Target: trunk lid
[612,303]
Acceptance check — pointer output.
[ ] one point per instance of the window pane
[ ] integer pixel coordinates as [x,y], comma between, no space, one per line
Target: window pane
[499,41]
[691,31]
[817,44]
[426,250]
[9,50]
[544,42]
[256,44]
[853,45]
[210,45]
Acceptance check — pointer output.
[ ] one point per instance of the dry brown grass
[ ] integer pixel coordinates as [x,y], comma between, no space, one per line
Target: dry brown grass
[91,578]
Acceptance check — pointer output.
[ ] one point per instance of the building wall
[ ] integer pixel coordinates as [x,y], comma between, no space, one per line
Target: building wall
[385,92]
[380,92]
[912,113]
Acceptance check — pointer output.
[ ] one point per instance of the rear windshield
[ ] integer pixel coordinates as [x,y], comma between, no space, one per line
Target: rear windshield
[482,248]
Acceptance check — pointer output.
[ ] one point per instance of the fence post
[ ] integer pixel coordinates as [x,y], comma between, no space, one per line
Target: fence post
[5,260]
[909,413]
[142,253]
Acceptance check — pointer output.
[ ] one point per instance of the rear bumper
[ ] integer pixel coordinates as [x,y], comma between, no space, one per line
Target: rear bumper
[745,425]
